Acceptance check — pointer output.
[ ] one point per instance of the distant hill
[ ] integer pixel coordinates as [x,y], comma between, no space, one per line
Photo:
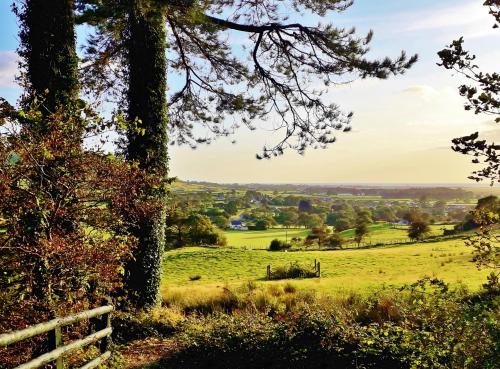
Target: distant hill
[388,191]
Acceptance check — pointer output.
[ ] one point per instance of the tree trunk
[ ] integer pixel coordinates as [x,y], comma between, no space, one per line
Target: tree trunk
[50,66]
[147,111]
[48,49]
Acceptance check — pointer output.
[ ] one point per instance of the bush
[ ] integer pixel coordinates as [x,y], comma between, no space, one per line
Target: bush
[423,326]
[335,241]
[278,245]
[294,270]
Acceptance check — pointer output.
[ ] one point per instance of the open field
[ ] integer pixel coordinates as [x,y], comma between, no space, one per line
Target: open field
[385,233]
[262,239]
[379,233]
[344,270]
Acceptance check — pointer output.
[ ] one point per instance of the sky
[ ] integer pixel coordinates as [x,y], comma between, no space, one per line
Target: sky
[402,127]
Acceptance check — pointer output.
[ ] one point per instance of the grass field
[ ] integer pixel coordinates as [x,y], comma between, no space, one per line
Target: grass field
[379,233]
[385,233]
[345,270]
[262,239]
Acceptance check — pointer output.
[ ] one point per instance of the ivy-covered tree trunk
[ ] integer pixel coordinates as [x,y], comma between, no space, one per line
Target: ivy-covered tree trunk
[48,50]
[50,75]
[147,142]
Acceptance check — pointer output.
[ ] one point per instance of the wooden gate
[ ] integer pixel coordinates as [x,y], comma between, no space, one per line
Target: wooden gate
[54,327]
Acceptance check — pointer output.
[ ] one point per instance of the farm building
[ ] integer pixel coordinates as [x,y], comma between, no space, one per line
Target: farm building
[237,225]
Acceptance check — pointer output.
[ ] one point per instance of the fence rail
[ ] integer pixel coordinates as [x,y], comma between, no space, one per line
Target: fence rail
[53,327]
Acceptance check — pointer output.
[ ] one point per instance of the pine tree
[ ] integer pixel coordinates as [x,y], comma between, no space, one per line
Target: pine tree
[284,57]
[147,140]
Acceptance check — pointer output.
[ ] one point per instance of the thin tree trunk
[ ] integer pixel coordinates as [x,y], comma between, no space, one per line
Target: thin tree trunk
[147,107]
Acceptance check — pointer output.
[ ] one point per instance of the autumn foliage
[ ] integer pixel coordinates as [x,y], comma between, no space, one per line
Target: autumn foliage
[66,217]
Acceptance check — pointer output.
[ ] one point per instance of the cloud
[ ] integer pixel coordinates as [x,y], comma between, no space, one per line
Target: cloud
[423,91]
[467,18]
[463,15]
[8,68]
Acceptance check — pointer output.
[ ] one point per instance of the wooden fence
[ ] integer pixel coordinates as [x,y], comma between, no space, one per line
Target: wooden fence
[102,318]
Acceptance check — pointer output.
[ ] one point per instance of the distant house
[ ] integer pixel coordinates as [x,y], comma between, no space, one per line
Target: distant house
[237,225]
[455,207]
[402,222]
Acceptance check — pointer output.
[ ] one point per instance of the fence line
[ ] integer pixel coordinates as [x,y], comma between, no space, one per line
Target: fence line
[55,339]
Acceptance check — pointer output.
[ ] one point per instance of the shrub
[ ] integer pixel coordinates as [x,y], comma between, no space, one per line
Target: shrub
[335,241]
[422,326]
[278,245]
[289,288]
[294,270]
[195,277]
[67,217]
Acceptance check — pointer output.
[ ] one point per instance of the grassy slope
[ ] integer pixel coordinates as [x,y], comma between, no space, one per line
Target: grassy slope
[345,270]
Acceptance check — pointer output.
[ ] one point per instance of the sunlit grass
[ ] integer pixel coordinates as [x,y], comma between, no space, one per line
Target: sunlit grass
[342,271]
[262,239]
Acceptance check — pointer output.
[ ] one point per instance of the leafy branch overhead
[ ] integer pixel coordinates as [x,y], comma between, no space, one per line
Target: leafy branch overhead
[483,97]
[280,72]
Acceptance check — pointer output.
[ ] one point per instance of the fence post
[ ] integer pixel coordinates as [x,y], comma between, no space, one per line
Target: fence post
[55,341]
[318,269]
[106,341]
[268,272]
[58,343]
[315,264]
[105,322]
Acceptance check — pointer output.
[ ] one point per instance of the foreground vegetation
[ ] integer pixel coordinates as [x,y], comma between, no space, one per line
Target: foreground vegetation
[423,325]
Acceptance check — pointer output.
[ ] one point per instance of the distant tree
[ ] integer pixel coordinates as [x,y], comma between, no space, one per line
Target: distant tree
[320,234]
[331,218]
[438,209]
[231,207]
[309,220]
[418,230]
[414,215]
[220,221]
[305,206]
[176,227]
[343,224]
[191,229]
[287,218]
[360,231]
[384,213]
[202,231]
[262,224]
[335,241]
[485,205]
[489,203]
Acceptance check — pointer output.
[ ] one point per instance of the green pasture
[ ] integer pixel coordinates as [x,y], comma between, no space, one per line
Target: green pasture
[382,232]
[361,270]
[262,239]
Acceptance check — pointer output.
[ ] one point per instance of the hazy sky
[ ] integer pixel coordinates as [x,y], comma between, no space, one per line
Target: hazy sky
[402,127]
